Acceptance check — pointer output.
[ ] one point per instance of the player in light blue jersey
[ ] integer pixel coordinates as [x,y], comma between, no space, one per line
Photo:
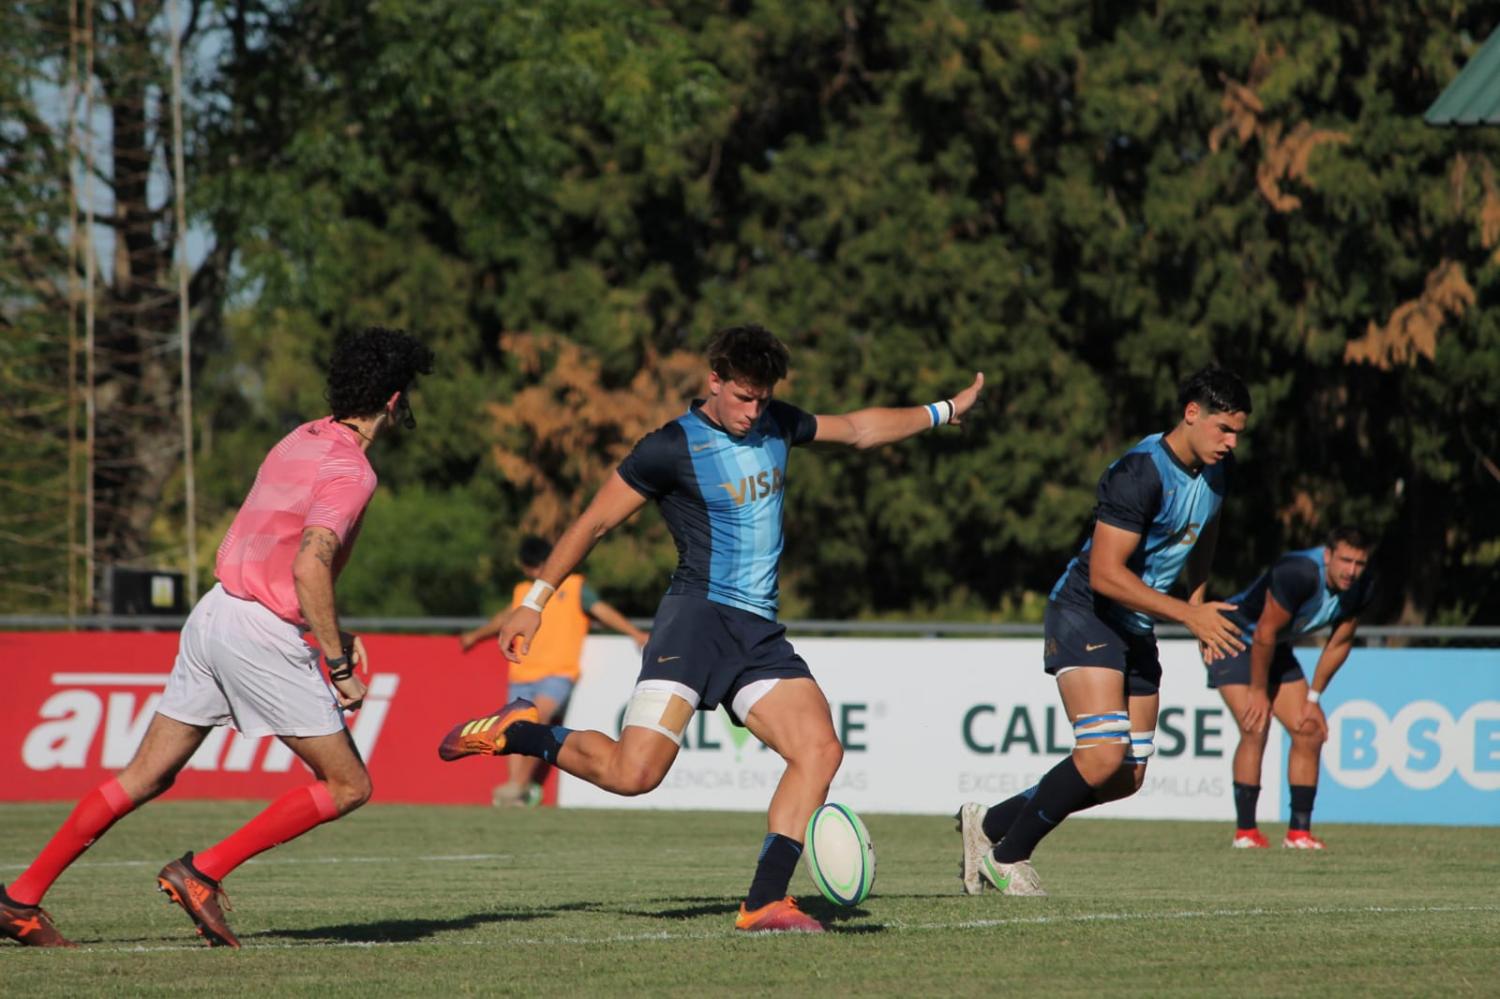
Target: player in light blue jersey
[718,473]
[1304,591]
[1157,518]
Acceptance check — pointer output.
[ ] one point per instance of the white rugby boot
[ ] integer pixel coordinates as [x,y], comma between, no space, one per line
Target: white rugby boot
[1019,878]
[977,846]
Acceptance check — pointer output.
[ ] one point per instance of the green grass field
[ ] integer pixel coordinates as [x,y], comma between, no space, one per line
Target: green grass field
[416,900]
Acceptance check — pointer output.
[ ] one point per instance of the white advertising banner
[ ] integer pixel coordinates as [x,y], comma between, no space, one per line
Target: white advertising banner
[928,724]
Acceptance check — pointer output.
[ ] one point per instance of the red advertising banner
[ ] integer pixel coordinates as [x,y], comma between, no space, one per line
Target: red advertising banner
[77,705]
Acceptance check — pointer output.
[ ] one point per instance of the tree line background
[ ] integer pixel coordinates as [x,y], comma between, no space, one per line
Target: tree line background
[1085,200]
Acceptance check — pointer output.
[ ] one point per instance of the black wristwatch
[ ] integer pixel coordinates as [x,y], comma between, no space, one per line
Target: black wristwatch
[339,667]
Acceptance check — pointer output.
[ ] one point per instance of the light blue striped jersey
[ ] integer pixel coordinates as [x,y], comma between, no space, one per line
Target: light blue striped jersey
[1299,582]
[1149,492]
[721,497]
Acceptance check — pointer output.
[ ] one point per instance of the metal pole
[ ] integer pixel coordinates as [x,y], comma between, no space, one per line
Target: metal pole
[72,162]
[179,183]
[89,399]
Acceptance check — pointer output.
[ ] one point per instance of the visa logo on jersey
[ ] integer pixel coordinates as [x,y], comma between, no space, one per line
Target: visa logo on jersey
[755,487]
[99,719]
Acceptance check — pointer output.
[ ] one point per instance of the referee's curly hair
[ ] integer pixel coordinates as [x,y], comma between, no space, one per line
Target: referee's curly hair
[370,365]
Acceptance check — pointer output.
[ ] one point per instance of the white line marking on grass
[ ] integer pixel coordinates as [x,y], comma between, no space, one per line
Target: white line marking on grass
[1112,917]
[278,861]
[251,943]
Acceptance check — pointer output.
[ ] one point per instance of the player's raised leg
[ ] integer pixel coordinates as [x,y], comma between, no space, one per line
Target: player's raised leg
[791,716]
[655,720]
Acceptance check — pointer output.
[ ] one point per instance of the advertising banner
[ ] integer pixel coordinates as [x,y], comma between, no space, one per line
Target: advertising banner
[1413,736]
[927,725]
[77,705]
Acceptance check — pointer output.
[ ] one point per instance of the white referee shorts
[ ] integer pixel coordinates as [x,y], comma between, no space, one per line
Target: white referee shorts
[239,663]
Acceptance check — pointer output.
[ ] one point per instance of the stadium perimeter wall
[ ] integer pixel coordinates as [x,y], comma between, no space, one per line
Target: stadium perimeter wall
[926,724]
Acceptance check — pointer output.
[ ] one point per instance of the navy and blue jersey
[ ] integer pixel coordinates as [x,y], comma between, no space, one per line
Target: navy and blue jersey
[1299,582]
[721,496]
[1150,492]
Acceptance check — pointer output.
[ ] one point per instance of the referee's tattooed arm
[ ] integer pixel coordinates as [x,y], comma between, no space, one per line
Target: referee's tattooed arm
[312,572]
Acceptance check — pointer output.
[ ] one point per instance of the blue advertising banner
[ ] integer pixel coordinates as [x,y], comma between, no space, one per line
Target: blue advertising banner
[1413,737]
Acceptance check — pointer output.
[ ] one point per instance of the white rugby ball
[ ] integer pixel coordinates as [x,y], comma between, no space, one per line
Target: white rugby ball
[839,854]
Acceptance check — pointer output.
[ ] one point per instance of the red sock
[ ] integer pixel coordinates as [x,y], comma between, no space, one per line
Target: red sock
[288,817]
[93,815]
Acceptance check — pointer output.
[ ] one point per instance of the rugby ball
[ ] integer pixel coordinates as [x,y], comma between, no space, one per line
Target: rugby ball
[839,855]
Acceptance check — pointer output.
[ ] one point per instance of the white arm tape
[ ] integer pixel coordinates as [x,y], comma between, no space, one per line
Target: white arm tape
[1313,696]
[536,598]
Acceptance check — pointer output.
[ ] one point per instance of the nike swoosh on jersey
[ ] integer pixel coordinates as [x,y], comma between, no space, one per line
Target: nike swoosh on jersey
[1094,648]
[666,659]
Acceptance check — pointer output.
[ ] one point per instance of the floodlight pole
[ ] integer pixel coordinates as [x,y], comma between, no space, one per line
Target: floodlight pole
[179,186]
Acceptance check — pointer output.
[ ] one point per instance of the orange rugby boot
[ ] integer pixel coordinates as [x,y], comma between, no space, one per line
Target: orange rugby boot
[485,735]
[29,925]
[781,916]
[1250,839]
[199,895]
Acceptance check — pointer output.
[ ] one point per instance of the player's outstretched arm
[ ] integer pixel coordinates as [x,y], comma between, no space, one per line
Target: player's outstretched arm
[1110,576]
[873,427]
[615,502]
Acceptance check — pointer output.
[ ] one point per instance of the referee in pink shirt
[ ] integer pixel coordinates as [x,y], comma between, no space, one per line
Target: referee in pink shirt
[242,658]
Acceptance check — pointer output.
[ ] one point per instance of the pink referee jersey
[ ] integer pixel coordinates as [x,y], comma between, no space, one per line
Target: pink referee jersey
[317,476]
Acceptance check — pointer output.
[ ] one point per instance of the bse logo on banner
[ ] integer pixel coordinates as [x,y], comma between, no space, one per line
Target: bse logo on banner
[1423,746]
[1418,739]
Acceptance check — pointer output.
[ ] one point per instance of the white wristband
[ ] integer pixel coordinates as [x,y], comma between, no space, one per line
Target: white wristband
[536,598]
[940,412]
[1313,695]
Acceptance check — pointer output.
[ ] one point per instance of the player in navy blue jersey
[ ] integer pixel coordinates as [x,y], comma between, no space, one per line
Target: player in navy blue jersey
[719,475]
[1302,592]
[1157,517]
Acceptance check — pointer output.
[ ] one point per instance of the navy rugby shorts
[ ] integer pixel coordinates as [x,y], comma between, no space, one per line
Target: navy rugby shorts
[1236,669]
[1073,636]
[717,650]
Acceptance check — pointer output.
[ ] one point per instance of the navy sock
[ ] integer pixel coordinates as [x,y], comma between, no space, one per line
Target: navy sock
[1060,793]
[1302,805]
[778,859]
[999,819]
[1245,798]
[535,739]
